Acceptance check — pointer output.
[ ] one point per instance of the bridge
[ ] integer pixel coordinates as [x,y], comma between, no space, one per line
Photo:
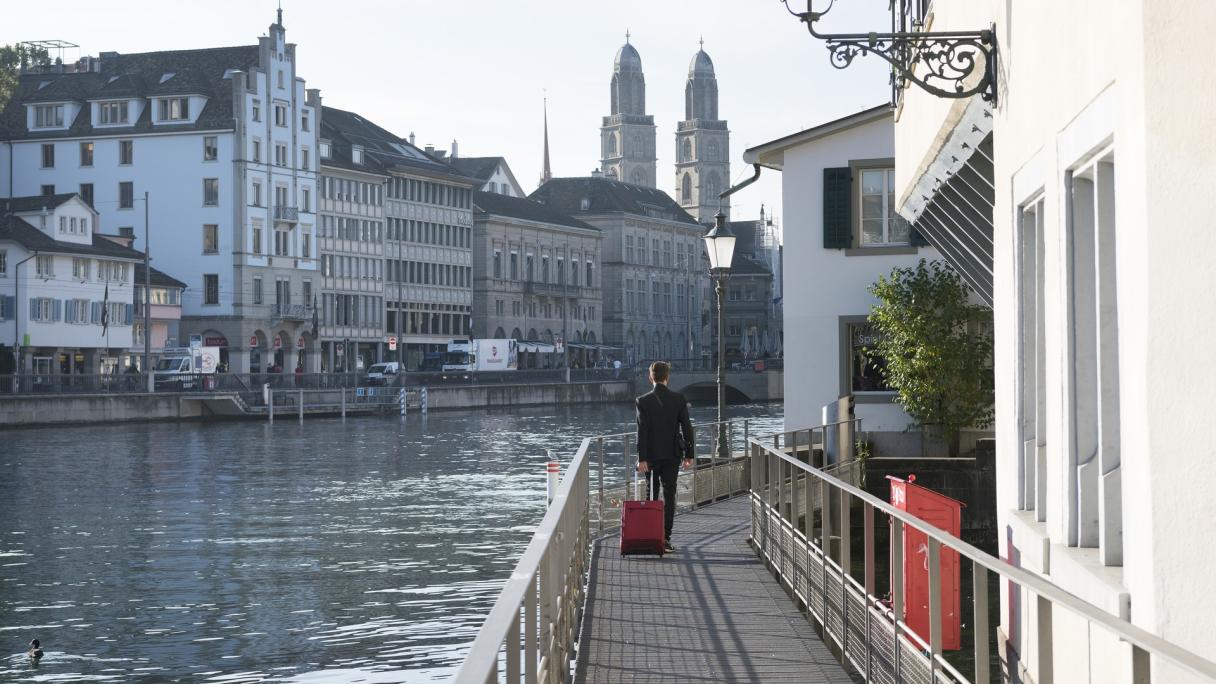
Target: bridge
[764,585]
[698,382]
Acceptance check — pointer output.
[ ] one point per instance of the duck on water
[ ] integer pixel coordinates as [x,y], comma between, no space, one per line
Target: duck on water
[35,652]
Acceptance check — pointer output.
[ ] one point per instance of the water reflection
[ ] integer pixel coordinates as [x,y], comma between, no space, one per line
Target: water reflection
[236,552]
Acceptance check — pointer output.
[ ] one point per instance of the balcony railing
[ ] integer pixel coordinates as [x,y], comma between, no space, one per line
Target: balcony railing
[293,312]
[289,214]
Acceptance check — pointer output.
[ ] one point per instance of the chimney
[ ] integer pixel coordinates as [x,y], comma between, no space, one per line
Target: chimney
[429,149]
[454,148]
[596,173]
[411,137]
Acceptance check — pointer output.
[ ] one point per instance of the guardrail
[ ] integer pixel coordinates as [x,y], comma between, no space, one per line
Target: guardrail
[802,527]
[532,627]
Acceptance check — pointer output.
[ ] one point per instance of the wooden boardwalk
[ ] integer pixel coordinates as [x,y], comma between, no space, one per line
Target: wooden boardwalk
[708,613]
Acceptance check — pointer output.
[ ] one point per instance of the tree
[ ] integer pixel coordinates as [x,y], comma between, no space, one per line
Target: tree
[937,346]
[11,59]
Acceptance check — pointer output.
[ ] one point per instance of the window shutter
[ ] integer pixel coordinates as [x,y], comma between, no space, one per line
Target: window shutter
[130,313]
[10,306]
[837,208]
[58,309]
[71,310]
[96,313]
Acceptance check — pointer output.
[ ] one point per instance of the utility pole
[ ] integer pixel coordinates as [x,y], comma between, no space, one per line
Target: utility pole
[147,302]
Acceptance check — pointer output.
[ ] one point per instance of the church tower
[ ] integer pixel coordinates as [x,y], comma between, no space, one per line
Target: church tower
[627,135]
[702,144]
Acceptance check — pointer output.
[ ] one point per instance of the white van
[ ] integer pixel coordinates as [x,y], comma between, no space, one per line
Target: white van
[383,373]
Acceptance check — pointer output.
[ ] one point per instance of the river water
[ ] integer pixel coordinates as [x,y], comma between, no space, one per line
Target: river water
[358,550]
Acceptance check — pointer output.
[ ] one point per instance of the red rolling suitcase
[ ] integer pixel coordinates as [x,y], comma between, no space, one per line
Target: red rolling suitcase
[642,527]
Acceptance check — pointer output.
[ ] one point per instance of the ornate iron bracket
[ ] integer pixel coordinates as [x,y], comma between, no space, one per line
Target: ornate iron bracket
[949,59]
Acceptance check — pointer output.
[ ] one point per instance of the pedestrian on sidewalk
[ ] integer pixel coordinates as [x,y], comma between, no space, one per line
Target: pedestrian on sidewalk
[665,441]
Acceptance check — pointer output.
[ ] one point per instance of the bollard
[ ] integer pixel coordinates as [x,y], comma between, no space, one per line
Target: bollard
[401,401]
[343,403]
[301,407]
[423,400]
[553,469]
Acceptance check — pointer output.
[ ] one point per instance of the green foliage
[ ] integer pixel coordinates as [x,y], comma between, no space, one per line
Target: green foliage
[11,58]
[937,346]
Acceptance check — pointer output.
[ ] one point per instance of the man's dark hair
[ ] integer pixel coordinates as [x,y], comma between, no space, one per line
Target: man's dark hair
[661,370]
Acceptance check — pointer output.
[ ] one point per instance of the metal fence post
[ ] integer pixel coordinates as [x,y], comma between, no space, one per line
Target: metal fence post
[600,481]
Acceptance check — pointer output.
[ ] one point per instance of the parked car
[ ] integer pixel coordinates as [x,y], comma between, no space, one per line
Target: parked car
[381,374]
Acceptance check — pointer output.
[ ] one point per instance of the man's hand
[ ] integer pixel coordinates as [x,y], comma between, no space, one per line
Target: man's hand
[643,467]
[687,463]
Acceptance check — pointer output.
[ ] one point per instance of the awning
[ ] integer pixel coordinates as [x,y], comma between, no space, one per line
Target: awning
[542,347]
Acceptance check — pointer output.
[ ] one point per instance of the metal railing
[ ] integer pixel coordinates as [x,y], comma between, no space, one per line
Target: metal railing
[532,628]
[802,527]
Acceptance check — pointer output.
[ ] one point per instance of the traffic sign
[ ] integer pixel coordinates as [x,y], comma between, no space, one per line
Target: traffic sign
[392,343]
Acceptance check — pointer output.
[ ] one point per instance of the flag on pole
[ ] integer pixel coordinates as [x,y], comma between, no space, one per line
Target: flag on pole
[105,312]
[316,318]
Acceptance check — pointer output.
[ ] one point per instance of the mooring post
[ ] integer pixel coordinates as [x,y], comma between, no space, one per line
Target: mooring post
[553,469]
[401,401]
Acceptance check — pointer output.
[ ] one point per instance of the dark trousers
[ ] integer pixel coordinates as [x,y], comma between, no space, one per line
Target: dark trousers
[666,472]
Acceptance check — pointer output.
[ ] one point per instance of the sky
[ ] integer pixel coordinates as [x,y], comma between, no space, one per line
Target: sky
[478,70]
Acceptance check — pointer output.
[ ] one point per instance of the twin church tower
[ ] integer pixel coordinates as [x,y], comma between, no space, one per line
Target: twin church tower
[627,137]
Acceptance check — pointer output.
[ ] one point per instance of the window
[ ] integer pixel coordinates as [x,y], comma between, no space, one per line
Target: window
[324,149]
[257,239]
[257,110]
[305,199]
[514,266]
[497,264]
[86,193]
[280,115]
[280,155]
[257,150]
[43,309]
[256,196]
[113,112]
[629,249]
[590,282]
[686,189]
[211,238]
[880,225]
[280,242]
[86,154]
[279,78]
[211,192]
[257,289]
[865,367]
[48,116]
[48,156]
[126,195]
[211,148]
[356,154]
[306,245]
[79,311]
[126,151]
[45,266]
[307,289]
[304,120]
[304,160]
[48,190]
[3,264]
[211,288]
[175,109]
[280,196]
[81,268]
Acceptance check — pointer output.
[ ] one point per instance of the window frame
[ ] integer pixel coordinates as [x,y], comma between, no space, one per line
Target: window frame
[857,168]
[845,361]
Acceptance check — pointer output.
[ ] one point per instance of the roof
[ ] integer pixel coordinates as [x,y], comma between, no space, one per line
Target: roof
[18,230]
[627,59]
[481,168]
[772,153]
[383,151]
[158,278]
[21,205]
[517,207]
[701,65]
[194,72]
[606,195]
[745,265]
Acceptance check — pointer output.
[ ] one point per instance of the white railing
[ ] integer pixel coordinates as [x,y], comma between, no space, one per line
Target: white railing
[802,528]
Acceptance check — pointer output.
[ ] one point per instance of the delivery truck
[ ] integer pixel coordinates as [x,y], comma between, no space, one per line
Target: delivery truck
[481,355]
[187,368]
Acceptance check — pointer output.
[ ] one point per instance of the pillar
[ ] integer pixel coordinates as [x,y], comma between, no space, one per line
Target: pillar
[238,360]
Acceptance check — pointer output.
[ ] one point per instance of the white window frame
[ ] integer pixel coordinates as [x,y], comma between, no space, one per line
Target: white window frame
[889,217]
[173,109]
[113,112]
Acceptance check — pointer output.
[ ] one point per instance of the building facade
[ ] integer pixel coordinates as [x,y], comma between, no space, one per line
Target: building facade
[65,291]
[164,316]
[652,264]
[1086,227]
[493,172]
[702,145]
[627,135]
[537,279]
[836,186]
[238,129]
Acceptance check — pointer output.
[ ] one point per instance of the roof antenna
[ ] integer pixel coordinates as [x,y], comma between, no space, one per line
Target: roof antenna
[280,21]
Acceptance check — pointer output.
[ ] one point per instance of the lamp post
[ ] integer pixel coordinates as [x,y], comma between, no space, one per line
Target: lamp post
[720,246]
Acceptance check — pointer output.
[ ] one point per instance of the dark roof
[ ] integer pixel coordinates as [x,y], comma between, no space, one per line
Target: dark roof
[481,168]
[608,195]
[745,236]
[198,72]
[745,265]
[21,205]
[383,151]
[158,278]
[519,207]
[20,231]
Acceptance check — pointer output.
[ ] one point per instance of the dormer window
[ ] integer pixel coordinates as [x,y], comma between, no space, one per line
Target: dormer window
[116,112]
[356,154]
[324,149]
[175,109]
[48,116]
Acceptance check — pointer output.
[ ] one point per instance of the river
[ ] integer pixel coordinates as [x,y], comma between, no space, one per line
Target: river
[332,551]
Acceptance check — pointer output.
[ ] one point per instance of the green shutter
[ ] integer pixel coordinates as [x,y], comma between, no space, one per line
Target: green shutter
[837,208]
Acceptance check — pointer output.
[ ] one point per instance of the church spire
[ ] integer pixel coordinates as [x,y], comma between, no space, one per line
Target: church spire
[546,173]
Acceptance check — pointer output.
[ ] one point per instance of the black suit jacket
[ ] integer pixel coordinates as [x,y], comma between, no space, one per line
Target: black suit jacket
[661,412]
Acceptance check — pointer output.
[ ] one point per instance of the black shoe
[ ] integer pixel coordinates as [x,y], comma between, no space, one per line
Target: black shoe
[668,548]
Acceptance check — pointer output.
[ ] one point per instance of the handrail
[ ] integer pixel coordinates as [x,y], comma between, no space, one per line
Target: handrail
[1124,630]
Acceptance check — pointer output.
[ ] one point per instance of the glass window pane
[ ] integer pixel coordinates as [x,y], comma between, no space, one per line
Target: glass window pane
[872,182]
[871,232]
[900,230]
[871,207]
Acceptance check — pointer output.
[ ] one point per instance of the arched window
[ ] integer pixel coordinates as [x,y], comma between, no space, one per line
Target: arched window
[711,150]
[686,150]
[638,149]
[499,333]
[638,178]
[611,145]
[711,186]
[686,188]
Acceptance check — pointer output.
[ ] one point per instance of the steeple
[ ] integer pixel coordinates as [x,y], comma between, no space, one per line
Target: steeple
[546,173]
[627,133]
[702,142]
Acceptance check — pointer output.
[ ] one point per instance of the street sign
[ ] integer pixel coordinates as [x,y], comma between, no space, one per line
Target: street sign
[196,341]
[392,344]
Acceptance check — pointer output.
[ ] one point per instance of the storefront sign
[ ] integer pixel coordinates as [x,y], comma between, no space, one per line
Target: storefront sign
[253,341]
[300,342]
[278,342]
[392,344]
[217,341]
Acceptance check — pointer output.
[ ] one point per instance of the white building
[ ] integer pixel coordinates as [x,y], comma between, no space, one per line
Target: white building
[837,190]
[493,172]
[223,142]
[1091,239]
[65,291]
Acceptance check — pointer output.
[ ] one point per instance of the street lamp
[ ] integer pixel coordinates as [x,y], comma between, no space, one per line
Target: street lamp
[720,246]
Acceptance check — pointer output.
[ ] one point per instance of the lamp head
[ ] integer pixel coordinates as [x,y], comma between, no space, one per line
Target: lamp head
[720,245]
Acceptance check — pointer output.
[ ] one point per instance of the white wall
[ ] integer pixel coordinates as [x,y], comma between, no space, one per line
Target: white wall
[827,284]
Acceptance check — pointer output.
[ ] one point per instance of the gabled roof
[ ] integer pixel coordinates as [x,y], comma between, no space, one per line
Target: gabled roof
[18,230]
[772,153]
[598,195]
[518,207]
[21,205]
[745,265]
[383,151]
[194,72]
[158,278]
[482,168]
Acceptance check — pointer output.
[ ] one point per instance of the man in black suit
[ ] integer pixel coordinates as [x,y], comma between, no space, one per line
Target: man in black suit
[664,438]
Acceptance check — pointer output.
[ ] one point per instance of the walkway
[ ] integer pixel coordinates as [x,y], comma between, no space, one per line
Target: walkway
[708,613]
